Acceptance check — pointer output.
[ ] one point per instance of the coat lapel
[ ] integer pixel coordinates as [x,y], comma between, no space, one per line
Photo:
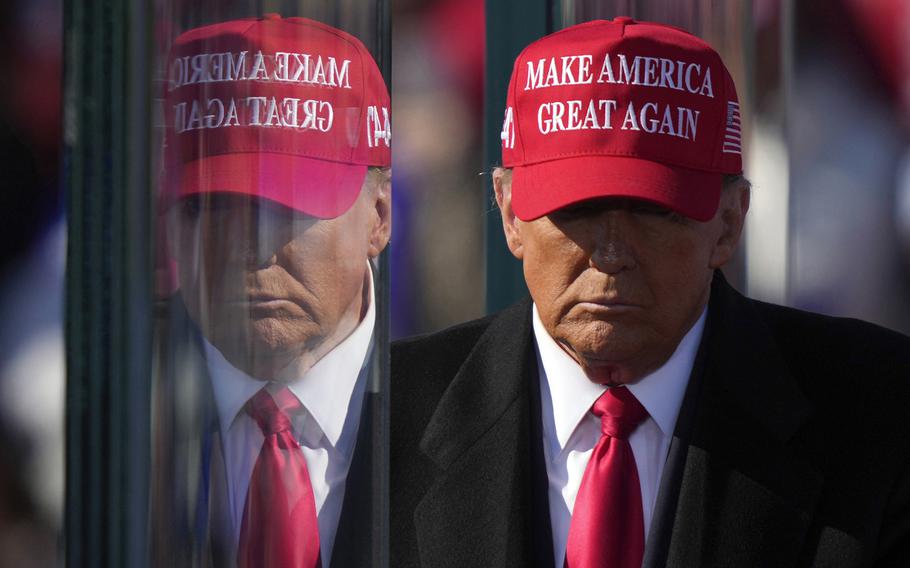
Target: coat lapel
[479,512]
[668,492]
[357,540]
[745,495]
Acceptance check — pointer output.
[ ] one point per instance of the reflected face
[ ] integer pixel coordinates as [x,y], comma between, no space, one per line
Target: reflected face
[268,285]
[619,282]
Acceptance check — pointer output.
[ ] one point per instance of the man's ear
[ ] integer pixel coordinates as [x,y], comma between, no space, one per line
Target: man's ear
[731,216]
[381,231]
[511,225]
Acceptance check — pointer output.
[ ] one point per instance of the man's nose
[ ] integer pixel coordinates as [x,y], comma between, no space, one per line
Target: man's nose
[612,251]
[259,247]
[258,238]
[267,237]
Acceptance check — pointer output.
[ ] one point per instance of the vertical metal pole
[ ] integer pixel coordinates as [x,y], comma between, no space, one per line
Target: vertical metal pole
[137,263]
[787,64]
[511,25]
[108,309]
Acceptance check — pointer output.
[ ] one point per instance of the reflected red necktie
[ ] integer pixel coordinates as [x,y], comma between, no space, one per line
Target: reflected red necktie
[608,527]
[279,527]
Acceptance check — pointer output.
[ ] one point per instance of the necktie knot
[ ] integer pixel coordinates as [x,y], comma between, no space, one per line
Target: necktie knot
[270,410]
[280,526]
[608,527]
[619,411]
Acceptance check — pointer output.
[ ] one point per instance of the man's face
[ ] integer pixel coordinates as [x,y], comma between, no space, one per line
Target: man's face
[619,282]
[268,285]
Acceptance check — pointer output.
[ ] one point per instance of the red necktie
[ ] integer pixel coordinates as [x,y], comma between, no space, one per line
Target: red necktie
[608,527]
[279,527]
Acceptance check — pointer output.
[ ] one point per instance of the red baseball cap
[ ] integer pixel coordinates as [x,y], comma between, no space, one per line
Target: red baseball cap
[286,109]
[620,108]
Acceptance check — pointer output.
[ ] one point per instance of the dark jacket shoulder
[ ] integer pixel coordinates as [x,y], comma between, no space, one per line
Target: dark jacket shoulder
[834,393]
[846,341]
[846,358]
[457,402]
[423,367]
[439,349]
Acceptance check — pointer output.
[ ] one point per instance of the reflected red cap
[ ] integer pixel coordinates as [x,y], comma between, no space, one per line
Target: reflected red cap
[620,108]
[287,109]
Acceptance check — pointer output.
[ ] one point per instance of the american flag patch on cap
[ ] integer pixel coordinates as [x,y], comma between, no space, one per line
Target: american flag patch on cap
[733,137]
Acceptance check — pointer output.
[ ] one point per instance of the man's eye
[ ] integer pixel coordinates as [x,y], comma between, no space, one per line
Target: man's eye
[655,210]
[575,211]
[190,207]
[646,208]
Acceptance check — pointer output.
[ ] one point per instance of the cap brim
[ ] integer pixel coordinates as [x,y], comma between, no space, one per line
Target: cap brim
[539,189]
[320,188]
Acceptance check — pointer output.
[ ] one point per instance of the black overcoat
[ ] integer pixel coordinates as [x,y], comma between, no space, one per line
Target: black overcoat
[791,449]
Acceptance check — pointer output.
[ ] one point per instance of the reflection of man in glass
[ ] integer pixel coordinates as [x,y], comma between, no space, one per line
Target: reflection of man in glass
[274,289]
[278,154]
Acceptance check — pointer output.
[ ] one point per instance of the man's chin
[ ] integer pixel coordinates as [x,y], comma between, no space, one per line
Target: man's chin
[261,353]
[280,334]
[619,361]
[593,340]
[265,364]
[604,352]
[610,374]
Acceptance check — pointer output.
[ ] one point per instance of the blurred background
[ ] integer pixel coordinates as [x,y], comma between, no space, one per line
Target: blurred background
[825,88]
[32,257]
[825,91]
[437,161]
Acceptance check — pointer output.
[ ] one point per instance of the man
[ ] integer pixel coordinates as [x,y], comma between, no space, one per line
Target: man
[637,410]
[278,198]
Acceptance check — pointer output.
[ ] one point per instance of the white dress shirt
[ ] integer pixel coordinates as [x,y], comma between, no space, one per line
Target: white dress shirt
[331,393]
[570,430]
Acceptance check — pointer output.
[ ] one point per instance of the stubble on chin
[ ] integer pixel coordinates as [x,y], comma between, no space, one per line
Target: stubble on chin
[273,344]
[606,351]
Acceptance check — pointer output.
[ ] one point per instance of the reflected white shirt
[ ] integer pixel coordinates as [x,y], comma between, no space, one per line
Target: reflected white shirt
[331,393]
[570,430]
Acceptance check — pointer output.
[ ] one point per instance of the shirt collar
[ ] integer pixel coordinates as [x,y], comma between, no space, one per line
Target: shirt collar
[326,390]
[572,393]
